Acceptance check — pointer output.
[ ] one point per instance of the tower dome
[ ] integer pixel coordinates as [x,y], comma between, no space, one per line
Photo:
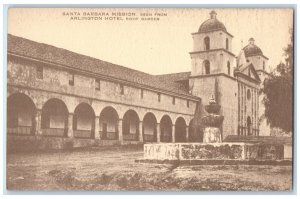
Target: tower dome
[251,49]
[212,24]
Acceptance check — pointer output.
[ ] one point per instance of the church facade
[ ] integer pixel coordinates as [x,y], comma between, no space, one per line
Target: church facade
[235,81]
[56,94]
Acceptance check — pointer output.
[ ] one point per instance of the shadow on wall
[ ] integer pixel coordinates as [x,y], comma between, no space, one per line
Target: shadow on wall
[196,126]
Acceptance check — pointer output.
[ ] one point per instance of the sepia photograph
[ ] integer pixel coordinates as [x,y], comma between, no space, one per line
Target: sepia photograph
[150,99]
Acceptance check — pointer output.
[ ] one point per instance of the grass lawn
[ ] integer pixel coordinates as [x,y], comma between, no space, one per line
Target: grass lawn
[114,169]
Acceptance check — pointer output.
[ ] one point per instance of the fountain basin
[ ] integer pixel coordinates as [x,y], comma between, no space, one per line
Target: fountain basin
[212,108]
[212,120]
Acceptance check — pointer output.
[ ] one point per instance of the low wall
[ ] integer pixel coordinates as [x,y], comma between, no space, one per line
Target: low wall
[213,151]
[18,143]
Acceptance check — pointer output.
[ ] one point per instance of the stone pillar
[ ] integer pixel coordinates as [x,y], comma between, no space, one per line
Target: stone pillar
[38,122]
[120,130]
[97,134]
[158,132]
[187,134]
[141,139]
[173,133]
[70,125]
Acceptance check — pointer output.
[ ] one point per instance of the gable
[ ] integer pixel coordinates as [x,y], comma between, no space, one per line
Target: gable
[248,70]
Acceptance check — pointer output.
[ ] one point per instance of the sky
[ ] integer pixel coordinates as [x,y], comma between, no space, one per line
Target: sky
[152,46]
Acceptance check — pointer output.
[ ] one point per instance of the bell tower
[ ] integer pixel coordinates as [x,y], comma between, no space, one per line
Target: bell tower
[212,72]
[212,46]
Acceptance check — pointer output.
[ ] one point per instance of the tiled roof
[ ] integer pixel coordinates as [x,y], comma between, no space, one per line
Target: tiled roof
[175,77]
[27,48]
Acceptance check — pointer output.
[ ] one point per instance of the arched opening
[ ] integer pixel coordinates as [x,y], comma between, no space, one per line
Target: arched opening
[108,124]
[84,121]
[228,68]
[21,113]
[180,130]
[249,125]
[130,128]
[166,129]
[54,118]
[149,128]
[227,45]
[206,43]
[207,67]
[192,131]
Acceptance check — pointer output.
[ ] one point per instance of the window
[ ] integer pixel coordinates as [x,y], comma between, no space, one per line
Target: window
[248,94]
[263,65]
[188,103]
[40,72]
[122,89]
[206,43]
[158,95]
[71,79]
[227,44]
[228,68]
[142,93]
[97,84]
[207,67]
[173,100]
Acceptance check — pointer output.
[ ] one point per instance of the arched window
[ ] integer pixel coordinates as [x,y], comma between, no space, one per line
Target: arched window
[206,43]
[207,67]
[228,68]
[227,44]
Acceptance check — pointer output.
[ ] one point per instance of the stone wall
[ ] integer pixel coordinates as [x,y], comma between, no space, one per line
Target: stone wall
[17,143]
[213,151]
[22,77]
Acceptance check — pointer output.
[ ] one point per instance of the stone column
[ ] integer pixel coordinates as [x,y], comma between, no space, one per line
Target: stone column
[120,130]
[70,125]
[141,139]
[38,122]
[187,134]
[158,132]
[173,133]
[97,135]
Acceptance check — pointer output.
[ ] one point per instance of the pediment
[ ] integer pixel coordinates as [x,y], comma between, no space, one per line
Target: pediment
[248,70]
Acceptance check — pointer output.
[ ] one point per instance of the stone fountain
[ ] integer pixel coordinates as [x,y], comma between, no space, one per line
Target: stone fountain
[212,150]
[212,122]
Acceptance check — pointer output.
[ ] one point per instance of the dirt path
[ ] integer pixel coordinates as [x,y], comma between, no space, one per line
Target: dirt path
[115,169]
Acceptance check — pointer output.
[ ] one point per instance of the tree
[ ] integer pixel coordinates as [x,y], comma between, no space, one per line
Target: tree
[278,90]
